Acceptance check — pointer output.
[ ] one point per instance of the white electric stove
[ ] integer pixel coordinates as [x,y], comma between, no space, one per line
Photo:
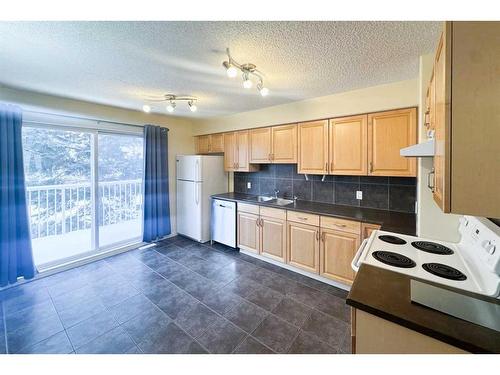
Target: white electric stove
[473,264]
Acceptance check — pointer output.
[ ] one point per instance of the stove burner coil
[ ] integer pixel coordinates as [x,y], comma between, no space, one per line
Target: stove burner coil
[394,259]
[432,247]
[392,239]
[442,270]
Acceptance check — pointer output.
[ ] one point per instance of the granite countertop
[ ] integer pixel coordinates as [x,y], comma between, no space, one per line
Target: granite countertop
[386,294]
[391,221]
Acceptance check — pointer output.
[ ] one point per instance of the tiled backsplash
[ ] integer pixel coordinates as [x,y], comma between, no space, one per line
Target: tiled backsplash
[387,193]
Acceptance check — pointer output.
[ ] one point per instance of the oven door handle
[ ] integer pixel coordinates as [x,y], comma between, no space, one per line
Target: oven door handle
[355,262]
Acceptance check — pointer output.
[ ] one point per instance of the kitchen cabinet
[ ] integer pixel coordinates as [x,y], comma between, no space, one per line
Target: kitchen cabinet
[273,238]
[313,147]
[236,152]
[466,91]
[284,144]
[248,231]
[374,335]
[337,251]
[203,144]
[277,144]
[210,144]
[348,147]
[303,246]
[388,133]
[260,145]
[367,229]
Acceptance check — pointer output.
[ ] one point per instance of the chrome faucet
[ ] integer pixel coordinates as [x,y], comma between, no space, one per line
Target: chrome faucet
[276,191]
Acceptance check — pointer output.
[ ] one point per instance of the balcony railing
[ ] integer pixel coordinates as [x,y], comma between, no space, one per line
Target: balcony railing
[59,209]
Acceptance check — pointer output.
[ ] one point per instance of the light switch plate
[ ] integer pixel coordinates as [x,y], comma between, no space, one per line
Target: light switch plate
[359,195]
[249,185]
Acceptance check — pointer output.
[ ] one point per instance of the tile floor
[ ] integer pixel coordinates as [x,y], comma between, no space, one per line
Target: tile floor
[177,297]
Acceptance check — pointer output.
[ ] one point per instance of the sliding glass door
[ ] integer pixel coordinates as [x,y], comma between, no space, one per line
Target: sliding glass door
[84,191]
[120,165]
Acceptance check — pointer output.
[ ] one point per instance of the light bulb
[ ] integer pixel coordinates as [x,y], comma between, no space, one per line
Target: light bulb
[171,107]
[232,72]
[247,83]
[146,108]
[192,106]
[264,91]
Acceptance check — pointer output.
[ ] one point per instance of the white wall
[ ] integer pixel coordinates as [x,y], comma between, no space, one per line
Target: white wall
[180,135]
[377,98]
[431,221]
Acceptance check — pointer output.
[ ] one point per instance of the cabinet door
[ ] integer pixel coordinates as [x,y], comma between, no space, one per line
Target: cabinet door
[203,144]
[388,133]
[349,145]
[337,251]
[303,246]
[216,143]
[260,145]
[313,147]
[273,238]
[248,232]
[241,157]
[442,83]
[367,229]
[229,151]
[284,144]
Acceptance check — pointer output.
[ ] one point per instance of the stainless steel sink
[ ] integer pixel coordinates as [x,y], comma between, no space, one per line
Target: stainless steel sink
[263,198]
[282,201]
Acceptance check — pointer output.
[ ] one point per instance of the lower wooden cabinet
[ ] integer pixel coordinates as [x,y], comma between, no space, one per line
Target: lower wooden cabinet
[336,253]
[273,238]
[367,229]
[303,246]
[374,335]
[248,232]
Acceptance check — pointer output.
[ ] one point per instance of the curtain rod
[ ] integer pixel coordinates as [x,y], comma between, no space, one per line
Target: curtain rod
[83,118]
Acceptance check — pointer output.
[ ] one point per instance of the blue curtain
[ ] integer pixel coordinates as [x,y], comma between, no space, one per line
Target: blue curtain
[16,257]
[156,195]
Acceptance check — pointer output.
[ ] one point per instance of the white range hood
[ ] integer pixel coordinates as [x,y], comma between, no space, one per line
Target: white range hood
[426,148]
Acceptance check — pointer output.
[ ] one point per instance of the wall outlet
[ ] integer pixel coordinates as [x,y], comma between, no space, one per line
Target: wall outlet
[249,185]
[359,195]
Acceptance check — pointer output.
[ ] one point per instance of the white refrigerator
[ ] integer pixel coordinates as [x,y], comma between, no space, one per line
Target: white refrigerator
[198,177]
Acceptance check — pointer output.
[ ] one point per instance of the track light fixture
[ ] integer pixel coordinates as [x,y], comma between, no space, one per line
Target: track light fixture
[248,71]
[172,102]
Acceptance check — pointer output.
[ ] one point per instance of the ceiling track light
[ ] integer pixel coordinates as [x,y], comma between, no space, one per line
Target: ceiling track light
[248,71]
[172,102]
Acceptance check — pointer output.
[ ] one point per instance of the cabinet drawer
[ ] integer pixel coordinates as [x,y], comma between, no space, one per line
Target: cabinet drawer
[341,224]
[273,212]
[300,217]
[250,208]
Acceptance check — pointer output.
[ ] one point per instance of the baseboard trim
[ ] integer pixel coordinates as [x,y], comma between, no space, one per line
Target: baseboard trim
[297,270]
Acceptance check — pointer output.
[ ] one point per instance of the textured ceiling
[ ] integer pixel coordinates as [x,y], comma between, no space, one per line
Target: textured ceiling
[124,63]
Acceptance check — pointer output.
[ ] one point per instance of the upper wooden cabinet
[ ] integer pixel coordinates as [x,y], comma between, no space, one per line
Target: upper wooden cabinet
[211,143]
[284,144]
[203,144]
[388,133]
[348,148]
[236,152]
[467,118]
[313,147]
[260,145]
[277,144]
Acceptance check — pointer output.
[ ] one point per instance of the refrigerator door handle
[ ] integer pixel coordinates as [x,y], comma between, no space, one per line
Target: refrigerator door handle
[196,197]
[197,170]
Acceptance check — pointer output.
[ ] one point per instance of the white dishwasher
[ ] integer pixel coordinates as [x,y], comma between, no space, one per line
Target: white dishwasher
[224,222]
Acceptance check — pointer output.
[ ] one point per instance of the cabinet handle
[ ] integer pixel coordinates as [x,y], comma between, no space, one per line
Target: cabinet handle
[429,185]
[262,222]
[302,218]
[317,235]
[323,236]
[331,166]
[371,167]
[340,225]
[272,156]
